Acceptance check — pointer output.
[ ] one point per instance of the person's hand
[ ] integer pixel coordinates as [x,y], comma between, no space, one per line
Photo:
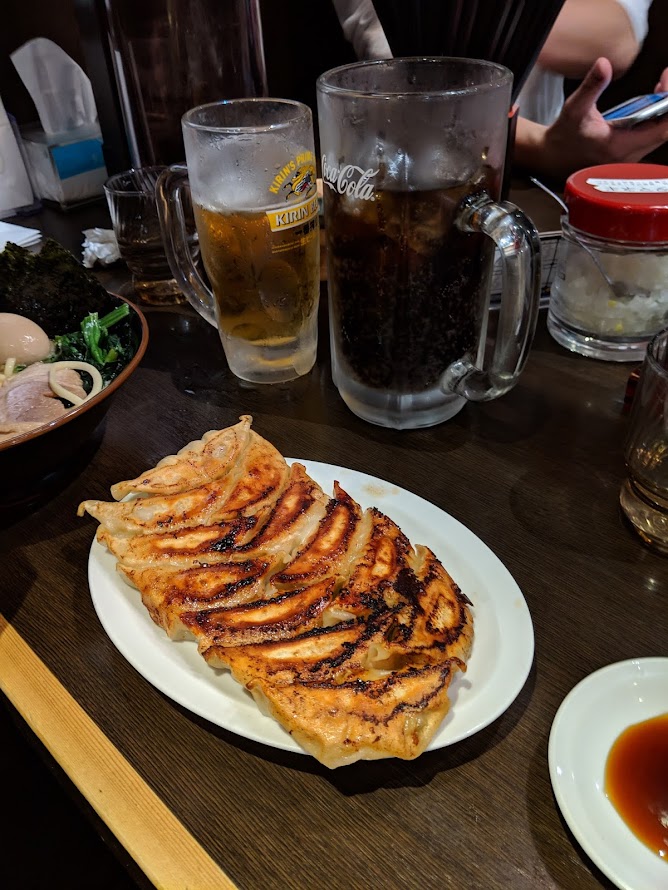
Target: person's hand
[581,137]
[662,85]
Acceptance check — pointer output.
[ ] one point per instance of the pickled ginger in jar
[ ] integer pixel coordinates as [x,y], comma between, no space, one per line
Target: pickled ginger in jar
[609,295]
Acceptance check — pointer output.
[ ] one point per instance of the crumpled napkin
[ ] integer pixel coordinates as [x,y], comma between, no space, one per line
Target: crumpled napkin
[99,245]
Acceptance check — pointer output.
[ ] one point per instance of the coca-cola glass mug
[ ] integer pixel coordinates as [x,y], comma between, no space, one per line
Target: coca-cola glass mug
[250,168]
[413,153]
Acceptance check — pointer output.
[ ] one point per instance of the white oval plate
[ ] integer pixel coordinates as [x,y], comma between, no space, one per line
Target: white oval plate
[500,661]
[589,720]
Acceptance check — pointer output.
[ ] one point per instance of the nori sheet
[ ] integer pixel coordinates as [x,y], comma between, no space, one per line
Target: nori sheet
[51,288]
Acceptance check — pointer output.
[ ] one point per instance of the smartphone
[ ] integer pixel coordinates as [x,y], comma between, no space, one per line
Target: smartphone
[637,111]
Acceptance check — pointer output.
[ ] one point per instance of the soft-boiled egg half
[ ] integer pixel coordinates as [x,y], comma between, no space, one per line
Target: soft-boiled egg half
[22,340]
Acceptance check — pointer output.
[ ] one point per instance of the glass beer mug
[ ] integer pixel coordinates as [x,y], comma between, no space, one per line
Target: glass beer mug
[250,167]
[412,160]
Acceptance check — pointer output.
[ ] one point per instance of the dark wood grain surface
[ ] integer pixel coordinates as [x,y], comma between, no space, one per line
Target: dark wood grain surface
[535,475]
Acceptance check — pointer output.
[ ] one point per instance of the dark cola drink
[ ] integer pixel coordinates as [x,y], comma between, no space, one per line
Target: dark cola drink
[412,155]
[407,289]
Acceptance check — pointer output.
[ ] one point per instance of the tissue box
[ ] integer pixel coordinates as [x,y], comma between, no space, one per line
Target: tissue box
[67,168]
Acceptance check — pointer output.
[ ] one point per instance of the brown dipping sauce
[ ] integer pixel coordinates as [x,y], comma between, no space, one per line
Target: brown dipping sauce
[636,781]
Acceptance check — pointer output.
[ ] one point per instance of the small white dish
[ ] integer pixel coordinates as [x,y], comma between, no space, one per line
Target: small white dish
[588,722]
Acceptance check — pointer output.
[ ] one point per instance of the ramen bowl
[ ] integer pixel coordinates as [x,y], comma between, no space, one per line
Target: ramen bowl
[33,463]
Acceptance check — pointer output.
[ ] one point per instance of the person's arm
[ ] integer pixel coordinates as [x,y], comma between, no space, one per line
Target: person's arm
[580,137]
[585,30]
[361,27]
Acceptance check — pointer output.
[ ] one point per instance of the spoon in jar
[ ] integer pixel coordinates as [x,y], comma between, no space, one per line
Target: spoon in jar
[617,288]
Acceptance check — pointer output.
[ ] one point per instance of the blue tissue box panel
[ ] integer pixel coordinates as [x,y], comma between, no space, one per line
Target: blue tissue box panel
[77,157]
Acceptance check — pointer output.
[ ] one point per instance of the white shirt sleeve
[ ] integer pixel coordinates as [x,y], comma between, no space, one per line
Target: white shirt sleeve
[362,27]
[542,96]
[637,11]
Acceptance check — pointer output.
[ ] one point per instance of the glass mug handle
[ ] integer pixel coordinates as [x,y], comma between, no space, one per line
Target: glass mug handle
[516,237]
[169,196]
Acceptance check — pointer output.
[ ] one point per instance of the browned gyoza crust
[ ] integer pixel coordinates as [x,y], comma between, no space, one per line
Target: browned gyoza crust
[343,631]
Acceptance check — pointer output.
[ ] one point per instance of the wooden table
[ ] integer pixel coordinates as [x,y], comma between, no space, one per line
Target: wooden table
[535,475]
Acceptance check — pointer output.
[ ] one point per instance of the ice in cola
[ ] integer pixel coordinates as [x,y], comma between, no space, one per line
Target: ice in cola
[407,287]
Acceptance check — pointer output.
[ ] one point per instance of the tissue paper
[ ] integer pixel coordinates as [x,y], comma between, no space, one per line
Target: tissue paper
[99,245]
[58,86]
[15,188]
[65,154]
[21,235]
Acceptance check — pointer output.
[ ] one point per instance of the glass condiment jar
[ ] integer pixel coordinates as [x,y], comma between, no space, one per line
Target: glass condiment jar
[609,295]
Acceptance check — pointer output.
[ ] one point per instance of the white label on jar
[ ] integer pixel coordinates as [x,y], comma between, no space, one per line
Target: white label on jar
[629,185]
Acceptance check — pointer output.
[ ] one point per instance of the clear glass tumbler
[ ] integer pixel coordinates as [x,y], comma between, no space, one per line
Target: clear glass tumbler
[134,217]
[644,493]
[251,173]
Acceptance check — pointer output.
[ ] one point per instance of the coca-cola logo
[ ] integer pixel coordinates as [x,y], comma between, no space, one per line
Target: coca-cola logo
[348,179]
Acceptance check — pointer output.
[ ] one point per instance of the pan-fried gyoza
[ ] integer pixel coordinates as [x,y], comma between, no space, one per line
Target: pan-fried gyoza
[341,629]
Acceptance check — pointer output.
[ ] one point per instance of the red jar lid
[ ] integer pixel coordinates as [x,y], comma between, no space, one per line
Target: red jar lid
[620,202]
